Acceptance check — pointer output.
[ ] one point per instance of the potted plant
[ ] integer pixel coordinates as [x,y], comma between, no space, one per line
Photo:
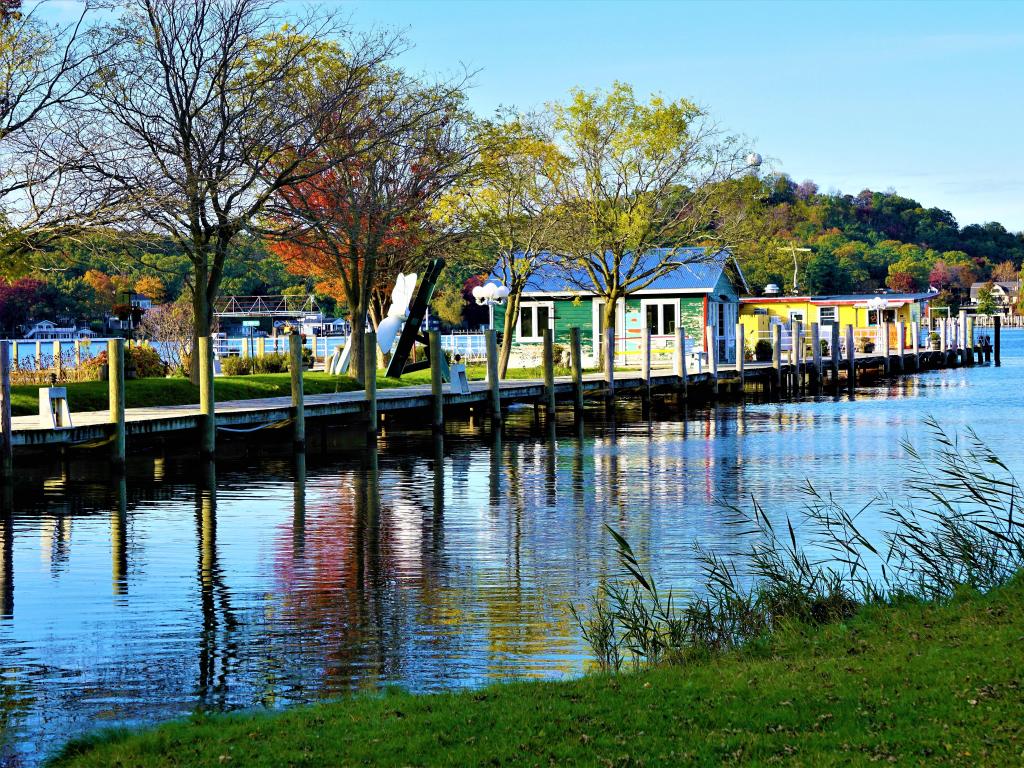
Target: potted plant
[867,346]
[823,346]
[763,351]
[933,341]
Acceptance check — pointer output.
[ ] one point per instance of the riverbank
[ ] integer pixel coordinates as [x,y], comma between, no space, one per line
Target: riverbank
[910,684]
[148,393]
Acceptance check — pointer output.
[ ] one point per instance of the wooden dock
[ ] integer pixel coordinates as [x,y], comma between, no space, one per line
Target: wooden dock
[243,416]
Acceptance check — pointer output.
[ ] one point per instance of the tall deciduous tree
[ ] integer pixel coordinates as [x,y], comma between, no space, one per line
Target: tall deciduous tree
[507,206]
[638,175]
[44,70]
[358,223]
[205,109]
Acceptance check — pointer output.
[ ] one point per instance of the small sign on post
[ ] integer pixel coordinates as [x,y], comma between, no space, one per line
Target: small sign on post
[459,383]
[53,408]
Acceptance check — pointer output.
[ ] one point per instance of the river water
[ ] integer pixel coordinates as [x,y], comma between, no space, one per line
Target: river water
[437,564]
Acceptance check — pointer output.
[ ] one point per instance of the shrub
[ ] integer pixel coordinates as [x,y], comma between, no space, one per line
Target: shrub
[145,360]
[236,366]
[763,351]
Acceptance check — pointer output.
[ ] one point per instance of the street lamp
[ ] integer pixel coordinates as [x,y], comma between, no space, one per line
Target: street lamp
[489,294]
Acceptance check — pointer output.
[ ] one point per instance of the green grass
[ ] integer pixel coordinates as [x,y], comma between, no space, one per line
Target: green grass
[145,393]
[915,684]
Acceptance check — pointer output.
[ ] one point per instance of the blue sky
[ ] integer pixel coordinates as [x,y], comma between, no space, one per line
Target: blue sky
[927,98]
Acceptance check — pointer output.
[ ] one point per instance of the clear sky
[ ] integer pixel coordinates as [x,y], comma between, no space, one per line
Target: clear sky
[923,97]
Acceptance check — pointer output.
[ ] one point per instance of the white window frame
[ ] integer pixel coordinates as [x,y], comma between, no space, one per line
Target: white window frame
[597,305]
[831,320]
[532,307]
[645,303]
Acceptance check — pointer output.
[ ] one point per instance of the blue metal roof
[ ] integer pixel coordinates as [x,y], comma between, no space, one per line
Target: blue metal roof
[695,272]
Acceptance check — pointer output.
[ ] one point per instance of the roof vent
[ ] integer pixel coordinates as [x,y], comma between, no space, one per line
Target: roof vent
[771,290]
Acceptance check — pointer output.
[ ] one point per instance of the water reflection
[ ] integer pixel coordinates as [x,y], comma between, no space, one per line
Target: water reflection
[428,560]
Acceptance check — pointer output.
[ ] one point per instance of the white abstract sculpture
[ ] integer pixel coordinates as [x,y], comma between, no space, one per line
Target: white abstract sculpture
[490,293]
[398,313]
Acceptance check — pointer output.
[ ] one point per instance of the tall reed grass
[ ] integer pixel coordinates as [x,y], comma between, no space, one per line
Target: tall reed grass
[957,525]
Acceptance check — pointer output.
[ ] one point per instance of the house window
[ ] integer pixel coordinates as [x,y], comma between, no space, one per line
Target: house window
[533,319]
[827,316]
[661,316]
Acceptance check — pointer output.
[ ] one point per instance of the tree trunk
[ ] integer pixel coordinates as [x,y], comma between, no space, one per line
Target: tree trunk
[357,359]
[202,322]
[608,358]
[511,312]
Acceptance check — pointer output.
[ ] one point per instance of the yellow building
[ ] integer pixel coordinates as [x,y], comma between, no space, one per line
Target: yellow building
[867,313]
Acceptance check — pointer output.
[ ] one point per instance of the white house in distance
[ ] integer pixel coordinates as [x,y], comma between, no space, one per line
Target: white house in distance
[1006,295]
[46,330]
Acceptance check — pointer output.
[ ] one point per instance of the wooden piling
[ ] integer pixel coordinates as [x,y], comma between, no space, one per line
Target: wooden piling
[816,352]
[943,341]
[851,360]
[78,353]
[997,326]
[834,351]
[901,331]
[549,372]
[369,382]
[261,346]
[207,406]
[436,384]
[609,362]
[777,355]
[680,356]
[39,355]
[712,347]
[741,351]
[576,353]
[7,449]
[58,361]
[886,359]
[969,337]
[965,358]
[645,365]
[915,341]
[797,352]
[493,379]
[115,392]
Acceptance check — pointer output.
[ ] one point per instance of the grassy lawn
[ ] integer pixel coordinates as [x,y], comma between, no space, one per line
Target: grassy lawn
[142,393]
[911,685]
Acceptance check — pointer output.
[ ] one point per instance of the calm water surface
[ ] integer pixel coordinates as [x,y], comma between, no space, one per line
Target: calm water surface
[435,565]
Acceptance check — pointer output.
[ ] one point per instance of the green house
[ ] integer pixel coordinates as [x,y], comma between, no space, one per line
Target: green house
[699,292]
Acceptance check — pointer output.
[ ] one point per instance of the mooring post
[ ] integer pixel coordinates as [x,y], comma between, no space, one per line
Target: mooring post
[549,372]
[915,340]
[681,360]
[777,355]
[884,329]
[207,406]
[851,359]
[965,355]
[261,346]
[997,326]
[39,355]
[901,343]
[436,388]
[970,345]
[834,351]
[712,347]
[78,353]
[493,379]
[741,352]
[798,352]
[370,381]
[609,363]
[115,391]
[816,353]
[7,461]
[645,366]
[576,353]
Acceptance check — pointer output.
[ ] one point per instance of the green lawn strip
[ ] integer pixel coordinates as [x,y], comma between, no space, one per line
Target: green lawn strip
[911,685]
[147,393]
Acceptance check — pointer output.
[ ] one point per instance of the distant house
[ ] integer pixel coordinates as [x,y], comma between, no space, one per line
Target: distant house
[1006,295]
[863,311]
[48,330]
[702,291]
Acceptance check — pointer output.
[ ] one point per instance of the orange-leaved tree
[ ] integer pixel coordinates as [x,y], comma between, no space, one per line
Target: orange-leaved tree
[357,224]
